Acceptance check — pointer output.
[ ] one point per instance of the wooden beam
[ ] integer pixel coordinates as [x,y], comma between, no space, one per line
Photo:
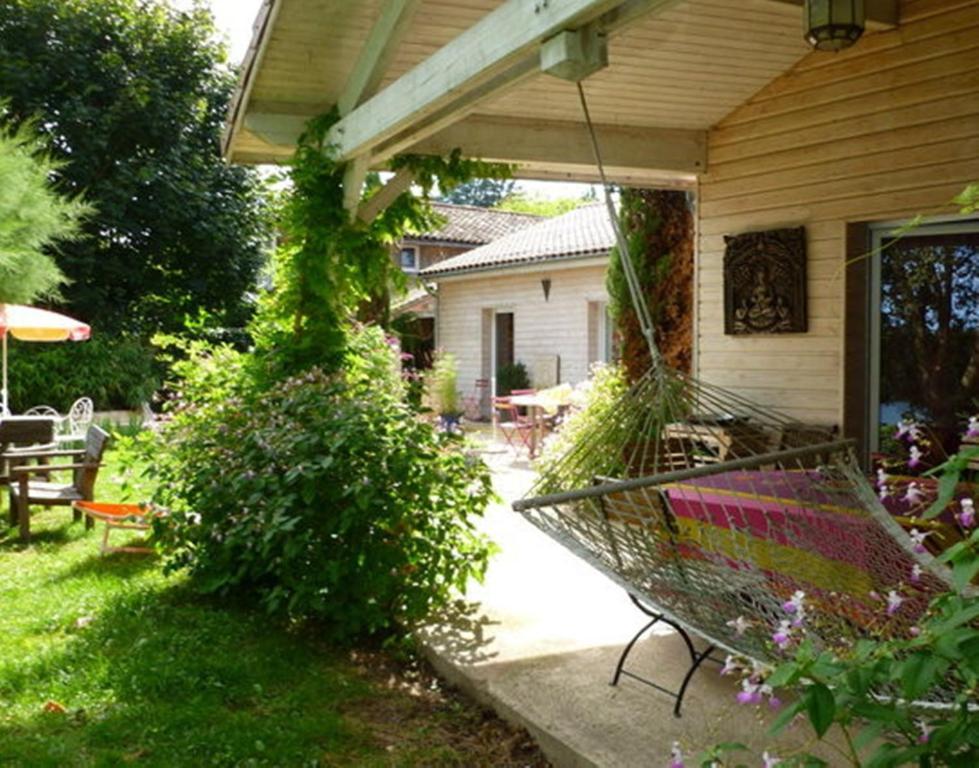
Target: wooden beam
[353,182]
[377,53]
[557,147]
[503,45]
[397,185]
[881,14]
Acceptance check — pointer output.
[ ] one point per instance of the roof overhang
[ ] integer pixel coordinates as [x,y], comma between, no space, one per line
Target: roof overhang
[537,265]
[431,75]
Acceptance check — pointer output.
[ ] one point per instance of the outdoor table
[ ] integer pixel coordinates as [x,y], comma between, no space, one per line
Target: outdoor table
[134,517]
[21,431]
[537,405]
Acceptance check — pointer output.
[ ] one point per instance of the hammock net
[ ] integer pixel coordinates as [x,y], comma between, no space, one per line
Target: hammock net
[733,520]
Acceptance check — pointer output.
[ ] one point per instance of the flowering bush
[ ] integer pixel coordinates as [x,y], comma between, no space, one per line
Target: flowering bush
[320,495]
[872,691]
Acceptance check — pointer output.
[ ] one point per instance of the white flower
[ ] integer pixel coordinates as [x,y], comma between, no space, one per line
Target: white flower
[730,665]
[894,601]
[676,756]
[882,477]
[770,761]
[913,495]
[967,514]
[884,493]
[796,603]
[918,540]
[915,573]
[739,625]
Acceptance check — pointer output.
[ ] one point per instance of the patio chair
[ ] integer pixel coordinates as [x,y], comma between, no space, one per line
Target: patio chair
[515,428]
[25,491]
[77,422]
[472,404]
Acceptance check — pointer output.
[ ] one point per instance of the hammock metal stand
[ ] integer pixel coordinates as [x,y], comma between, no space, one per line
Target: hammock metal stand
[696,657]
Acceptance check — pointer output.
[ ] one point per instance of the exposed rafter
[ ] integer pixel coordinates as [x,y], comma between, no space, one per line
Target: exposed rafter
[480,63]
[557,147]
[376,55]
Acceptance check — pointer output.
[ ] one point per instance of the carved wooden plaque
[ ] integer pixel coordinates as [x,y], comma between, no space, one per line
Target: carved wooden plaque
[765,282]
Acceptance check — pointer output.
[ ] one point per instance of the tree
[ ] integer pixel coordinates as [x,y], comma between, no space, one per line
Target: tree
[484,193]
[132,96]
[33,217]
[542,206]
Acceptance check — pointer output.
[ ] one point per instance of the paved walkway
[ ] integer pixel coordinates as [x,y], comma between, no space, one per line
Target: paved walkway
[539,642]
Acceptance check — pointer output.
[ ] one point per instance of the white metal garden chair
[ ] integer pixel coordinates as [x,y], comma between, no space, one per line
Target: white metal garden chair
[77,422]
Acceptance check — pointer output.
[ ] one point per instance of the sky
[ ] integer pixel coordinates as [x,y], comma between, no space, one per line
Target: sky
[235,18]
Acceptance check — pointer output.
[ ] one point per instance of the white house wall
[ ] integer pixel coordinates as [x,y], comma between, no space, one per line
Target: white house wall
[881,132]
[559,325]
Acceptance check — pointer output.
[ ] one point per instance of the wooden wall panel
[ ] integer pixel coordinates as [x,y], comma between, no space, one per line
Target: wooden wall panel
[884,131]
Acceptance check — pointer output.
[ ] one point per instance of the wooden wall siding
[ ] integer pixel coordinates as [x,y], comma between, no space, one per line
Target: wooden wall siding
[881,132]
[558,326]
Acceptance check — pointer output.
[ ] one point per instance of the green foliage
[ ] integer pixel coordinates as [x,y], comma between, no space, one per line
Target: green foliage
[320,495]
[542,206]
[442,385]
[33,218]
[333,268]
[589,434]
[511,377]
[132,97]
[483,193]
[116,372]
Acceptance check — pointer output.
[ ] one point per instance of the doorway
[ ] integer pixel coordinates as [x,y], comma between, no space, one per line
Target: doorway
[502,341]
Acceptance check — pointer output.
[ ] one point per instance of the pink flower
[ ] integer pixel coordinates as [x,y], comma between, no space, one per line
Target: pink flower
[914,631]
[925,731]
[915,456]
[676,756]
[913,495]
[783,635]
[973,428]
[967,513]
[796,604]
[894,601]
[750,693]
[770,761]
[774,702]
[739,625]
[915,573]
[918,540]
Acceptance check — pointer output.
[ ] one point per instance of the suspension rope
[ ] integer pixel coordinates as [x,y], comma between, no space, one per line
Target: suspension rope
[625,257]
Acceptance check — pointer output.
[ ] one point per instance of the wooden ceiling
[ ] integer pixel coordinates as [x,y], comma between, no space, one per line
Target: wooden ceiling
[684,67]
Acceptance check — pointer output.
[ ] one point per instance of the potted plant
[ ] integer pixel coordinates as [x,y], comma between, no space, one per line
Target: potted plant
[443,392]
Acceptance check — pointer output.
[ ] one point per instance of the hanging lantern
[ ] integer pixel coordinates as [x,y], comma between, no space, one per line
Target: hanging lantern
[832,25]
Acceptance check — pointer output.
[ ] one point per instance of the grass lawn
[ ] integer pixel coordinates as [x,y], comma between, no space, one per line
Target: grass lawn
[104,662]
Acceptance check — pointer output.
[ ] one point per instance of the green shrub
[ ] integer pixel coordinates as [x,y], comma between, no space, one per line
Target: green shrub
[116,372]
[511,377]
[442,385]
[321,496]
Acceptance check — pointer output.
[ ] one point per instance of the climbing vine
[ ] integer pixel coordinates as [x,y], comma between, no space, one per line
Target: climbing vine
[333,268]
[658,226]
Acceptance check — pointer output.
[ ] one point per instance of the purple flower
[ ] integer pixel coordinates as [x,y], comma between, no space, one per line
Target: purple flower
[973,428]
[796,603]
[882,477]
[884,493]
[894,601]
[730,666]
[918,540]
[783,635]
[915,573]
[913,495]
[967,513]
[925,731]
[903,429]
[916,457]
[676,756]
[750,693]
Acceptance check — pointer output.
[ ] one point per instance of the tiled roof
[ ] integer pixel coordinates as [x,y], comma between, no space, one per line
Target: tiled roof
[469,224]
[585,231]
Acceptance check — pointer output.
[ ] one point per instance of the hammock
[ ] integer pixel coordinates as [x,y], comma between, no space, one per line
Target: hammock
[714,512]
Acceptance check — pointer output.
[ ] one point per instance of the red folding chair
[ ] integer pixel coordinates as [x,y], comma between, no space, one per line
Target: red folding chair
[515,428]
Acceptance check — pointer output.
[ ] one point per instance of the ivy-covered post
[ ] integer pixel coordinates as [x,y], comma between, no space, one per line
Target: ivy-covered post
[658,225]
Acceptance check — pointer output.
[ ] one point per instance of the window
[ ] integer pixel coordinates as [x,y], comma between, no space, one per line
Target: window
[601,333]
[409,258]
[924,332]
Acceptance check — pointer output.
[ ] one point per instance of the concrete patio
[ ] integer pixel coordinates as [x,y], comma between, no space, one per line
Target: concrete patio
[539,642]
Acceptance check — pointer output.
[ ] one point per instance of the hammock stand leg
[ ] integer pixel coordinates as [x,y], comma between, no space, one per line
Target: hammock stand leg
[696,659]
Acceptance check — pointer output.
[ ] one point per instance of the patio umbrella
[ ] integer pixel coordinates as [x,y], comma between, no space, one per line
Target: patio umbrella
[32,324]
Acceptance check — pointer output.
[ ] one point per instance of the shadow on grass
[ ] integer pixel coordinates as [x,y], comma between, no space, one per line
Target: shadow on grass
[161,677]
[10,536]
[124,564]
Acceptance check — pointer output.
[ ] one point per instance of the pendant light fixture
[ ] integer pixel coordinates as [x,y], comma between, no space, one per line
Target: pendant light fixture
[832,25]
